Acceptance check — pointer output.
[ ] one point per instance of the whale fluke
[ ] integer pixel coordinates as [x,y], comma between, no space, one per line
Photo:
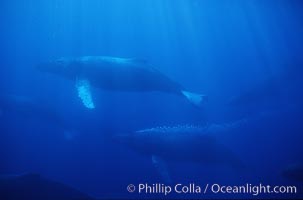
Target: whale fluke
[196,99]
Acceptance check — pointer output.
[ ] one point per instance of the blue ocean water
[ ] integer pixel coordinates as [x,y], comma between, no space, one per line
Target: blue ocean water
[246,56]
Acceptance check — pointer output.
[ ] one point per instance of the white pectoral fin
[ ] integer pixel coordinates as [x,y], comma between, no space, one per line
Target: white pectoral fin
[84,92]
[161,166]
[196,99]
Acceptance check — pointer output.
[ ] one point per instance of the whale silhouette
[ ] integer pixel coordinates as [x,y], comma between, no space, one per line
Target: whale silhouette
[32,186]
[28,107]
[183,143]
[112,73]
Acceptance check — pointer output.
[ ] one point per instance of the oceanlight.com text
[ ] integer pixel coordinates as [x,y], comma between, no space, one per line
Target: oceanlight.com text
[252,189]
[192,188]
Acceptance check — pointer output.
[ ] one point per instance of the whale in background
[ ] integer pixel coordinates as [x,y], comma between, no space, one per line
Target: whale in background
[30,108]
[278,91]
[294,172]
[27,107]
[181,143]
[112,73]
[35,187]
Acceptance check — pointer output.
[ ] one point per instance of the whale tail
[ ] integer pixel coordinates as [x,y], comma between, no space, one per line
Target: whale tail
[196,99]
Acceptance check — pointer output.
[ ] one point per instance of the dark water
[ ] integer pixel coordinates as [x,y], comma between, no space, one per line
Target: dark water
[246,56]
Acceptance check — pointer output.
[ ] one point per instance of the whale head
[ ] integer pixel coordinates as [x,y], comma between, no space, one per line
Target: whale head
[54,66]
[63,67]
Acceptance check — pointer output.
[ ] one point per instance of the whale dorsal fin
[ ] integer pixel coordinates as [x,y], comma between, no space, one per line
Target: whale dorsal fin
[161,166]
[84,92]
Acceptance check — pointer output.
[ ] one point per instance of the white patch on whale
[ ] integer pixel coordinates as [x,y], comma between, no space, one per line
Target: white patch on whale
[84,92]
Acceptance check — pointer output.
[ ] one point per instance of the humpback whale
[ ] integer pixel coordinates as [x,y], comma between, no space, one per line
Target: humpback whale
[294,172]
[35,187]
[26,107]
[279,90]
[113,73]
[181,143]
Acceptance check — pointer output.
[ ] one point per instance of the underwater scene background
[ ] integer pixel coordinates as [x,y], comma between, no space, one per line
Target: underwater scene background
[245,56]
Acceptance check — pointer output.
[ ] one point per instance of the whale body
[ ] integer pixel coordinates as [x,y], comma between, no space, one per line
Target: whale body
[181,143]
[278,91]
[118,74]
[294,172]
[35,187]
[26,107]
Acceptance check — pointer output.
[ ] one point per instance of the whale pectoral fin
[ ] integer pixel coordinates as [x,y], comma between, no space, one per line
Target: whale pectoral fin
[196,99]
[161,166]
[84,92]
